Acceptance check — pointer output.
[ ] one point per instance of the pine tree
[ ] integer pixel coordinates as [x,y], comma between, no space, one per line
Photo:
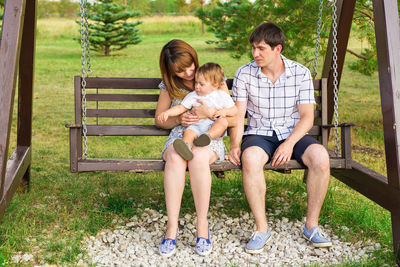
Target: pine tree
[108,26]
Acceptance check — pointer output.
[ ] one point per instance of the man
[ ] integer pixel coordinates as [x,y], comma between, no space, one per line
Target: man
[278,95]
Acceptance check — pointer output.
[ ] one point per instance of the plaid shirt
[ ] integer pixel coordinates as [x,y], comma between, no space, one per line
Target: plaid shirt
[273,106]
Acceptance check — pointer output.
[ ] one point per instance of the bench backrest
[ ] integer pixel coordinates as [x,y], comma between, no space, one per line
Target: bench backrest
[131,103]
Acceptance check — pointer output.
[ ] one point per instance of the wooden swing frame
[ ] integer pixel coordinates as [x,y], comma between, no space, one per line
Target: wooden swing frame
[17,49]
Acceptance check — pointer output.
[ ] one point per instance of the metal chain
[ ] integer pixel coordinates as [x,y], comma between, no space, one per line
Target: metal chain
[335,77]
[85,66]
[316,52]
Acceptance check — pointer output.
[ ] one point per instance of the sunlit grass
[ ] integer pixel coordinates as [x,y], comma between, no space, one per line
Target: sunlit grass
[62,207]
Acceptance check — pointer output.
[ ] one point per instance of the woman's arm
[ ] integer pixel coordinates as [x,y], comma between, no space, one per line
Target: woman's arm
[174,111]
[163,104]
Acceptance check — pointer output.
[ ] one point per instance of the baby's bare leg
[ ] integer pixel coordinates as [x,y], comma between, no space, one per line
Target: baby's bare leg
[218,128]
[189,136]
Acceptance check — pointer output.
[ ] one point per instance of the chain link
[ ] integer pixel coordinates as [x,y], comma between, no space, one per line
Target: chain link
[335,77]
[319,26]
[85,67]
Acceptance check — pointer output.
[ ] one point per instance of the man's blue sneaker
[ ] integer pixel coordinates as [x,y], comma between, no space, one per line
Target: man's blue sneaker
[257,242]
[203,245]
[168,246]
[316,237]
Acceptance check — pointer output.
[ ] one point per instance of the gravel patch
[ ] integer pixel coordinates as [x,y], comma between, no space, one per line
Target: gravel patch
[136,244]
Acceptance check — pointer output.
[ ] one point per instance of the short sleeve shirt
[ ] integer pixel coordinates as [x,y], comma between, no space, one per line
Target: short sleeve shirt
[273,107]
[216,99]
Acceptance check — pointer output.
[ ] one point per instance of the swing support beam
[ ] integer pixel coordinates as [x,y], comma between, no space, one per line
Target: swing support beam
[17,49]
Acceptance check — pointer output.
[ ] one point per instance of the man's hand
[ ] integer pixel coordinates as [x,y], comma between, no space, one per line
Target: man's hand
[234,155]
[187,119]
[282,154]
[220,113]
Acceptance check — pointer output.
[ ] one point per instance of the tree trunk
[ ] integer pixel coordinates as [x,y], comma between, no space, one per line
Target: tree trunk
[203,27]
[107,50]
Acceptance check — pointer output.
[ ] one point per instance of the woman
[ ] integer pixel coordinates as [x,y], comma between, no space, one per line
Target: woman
[178,64]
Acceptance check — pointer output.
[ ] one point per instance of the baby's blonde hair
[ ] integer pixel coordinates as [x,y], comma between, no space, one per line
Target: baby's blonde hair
[212,72]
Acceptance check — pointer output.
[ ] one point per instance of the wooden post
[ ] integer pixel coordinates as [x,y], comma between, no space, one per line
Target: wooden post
[387,33]
[345,11]
[26,79]
[9,56]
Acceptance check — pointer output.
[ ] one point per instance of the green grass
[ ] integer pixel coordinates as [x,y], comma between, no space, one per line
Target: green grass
[61,208]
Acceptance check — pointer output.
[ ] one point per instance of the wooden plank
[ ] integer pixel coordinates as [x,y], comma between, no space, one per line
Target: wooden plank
[121,113]
[17,166]
[126,130]
[324,112]
[145,130]
[387,31]
[345,11]
[78,99]
[346,145]
[122,83]
[139,83]
[9,57]
[136,113]
[75,147]
[150,165]
[122,97]
[26,79]
[370,184]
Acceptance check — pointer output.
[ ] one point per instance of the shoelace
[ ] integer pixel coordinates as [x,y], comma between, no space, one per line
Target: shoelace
[254,235]
[318,231]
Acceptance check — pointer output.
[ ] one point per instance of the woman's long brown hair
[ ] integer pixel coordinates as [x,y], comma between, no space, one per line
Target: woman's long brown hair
[175,57]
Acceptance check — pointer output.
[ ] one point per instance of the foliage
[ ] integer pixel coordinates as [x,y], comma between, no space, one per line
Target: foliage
[108,27]
[233,21]
[1,14]
[63,9]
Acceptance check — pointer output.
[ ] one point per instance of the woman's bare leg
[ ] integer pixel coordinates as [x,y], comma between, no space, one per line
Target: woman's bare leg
[174,184]
[200,182]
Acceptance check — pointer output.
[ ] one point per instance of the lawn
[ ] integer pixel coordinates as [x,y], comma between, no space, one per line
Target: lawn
[61,208]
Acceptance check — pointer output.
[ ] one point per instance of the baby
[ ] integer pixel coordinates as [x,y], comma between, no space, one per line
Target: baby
[209,77]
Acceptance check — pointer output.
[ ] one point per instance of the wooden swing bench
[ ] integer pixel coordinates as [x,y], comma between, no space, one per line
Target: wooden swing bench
[106,87]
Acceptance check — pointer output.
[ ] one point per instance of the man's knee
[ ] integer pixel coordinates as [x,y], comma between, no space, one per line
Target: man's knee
[253,158]
[316,157]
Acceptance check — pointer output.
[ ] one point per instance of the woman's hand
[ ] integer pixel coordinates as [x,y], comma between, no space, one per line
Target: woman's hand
[187,119]
[204,111]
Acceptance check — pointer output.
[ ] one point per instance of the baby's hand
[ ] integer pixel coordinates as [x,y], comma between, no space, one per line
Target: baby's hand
[220,113]
[163,117]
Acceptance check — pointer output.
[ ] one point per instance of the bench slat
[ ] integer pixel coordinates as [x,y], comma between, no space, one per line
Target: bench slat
[145,130]
[145,165]
[126,130]
[137,113]
[123,97]
[121,113]
[122,83]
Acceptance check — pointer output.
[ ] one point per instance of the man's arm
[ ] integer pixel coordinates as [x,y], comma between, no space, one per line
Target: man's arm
[236,132]
[284,152]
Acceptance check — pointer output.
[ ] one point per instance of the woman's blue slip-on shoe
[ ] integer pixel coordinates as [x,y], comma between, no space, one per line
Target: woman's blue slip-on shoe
[168,246]
[203,245]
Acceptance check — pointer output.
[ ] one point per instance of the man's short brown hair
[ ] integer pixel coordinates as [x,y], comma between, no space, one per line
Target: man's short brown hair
[269,33]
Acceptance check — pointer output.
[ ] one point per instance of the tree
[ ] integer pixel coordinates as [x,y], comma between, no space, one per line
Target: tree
[108,26]
[233,21]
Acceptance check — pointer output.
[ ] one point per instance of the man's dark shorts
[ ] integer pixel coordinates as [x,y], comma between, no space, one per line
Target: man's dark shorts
[271,143]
